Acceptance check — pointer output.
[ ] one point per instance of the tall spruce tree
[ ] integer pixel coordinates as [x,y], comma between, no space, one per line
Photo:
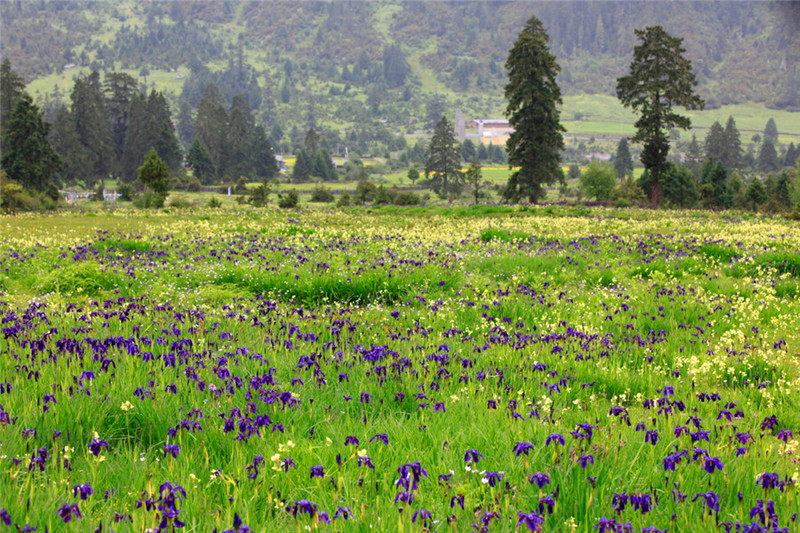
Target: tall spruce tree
[623,162]
[533,97]
[716,143]
[202,165]
[30,159]
[12,87]
[65,141]
[771,130]
[237,161]
[443,166]
[118,89]
[694,157]
[211,125]
[262,155]
[92,127]
[134,147]
[660,78]
[160,133]
[733,146]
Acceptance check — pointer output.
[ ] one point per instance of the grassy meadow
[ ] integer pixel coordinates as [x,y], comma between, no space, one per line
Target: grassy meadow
[402,369]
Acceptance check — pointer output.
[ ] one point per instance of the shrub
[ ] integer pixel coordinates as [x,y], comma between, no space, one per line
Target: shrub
[289,200]
[406,198]
[321,194]
[344,200]
[149,200]
[214,203]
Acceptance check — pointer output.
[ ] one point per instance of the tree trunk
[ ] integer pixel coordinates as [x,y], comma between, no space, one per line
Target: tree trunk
[654,196]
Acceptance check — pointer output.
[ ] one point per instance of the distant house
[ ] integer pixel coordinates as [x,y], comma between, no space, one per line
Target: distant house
[599,156]
[490,130]
[282,167]
[69,66]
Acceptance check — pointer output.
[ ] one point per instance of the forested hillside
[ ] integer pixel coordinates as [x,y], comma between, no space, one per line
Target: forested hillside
[402,59]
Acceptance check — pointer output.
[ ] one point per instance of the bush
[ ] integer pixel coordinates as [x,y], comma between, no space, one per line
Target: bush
[214,203]
[259,197]
[321,194]
[149,200]
[289,200]
[126,191]
[180,202]
[406,198]
[241,185]
[344,200]
[16,198]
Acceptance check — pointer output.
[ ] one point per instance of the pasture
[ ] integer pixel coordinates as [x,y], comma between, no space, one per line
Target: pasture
[420,369]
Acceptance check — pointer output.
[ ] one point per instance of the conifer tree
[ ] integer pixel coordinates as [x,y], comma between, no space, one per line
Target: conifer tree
[623,162]
[443,166]
[660,78]
[533,97]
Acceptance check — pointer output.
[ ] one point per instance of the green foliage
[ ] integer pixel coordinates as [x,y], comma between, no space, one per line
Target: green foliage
[499,234]
[679,186]
[406,198]
[599,180]
[28,158]
[413,174]
[321,194]
[214,202]
[768,157]
[623,162]
[533,97]
[154,174]
[259,197]
[443,166]
[288,200]
[660,78]
[344,200]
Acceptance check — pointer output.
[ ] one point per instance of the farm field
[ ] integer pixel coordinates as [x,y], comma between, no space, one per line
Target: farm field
[399,369]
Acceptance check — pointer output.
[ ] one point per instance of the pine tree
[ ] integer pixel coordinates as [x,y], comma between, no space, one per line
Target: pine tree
[160,133]
[92,127]
[262,155]
[623,162]
[64,139]
[119,89]
[660,78]
[29,158]
[134,147]
[443,166]
[771,130]
[715,178]
[694,157]
[12,87]
[716,143]
[395,67]
[533,98]
[211,125]
[680,187]
[303,167]
[202,165]
[767,157]
[733,146]
[237,160]
[756,194]
[154,174]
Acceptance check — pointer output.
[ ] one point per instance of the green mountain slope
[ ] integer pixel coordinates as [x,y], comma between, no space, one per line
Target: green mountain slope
[344,63]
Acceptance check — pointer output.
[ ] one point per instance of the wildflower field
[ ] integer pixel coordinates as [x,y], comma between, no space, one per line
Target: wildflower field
[482,369]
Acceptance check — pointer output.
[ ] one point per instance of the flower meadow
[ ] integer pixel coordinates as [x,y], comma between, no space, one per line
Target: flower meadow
[420,370]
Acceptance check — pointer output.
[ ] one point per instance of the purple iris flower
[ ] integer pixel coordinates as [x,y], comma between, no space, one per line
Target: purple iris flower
[381,437]
[343,512]
[492,478]
[533,520]
[5,517]
[522,447]
[351,440]
[710,499]
[584,460]
[303,506]
[473,456]
[606,525]
[67,511]
[172,449]
[84,491]
[554,438]
[96,445]
[540,479]
[424,515]
[317,471]
[712,463]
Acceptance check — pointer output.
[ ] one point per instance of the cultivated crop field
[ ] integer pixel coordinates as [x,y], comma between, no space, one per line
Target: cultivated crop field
[471,369]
